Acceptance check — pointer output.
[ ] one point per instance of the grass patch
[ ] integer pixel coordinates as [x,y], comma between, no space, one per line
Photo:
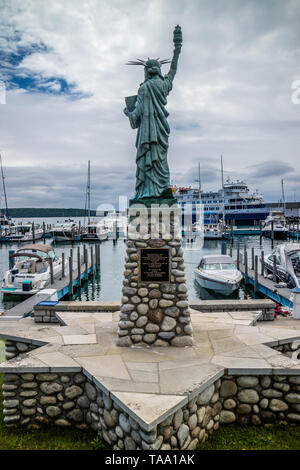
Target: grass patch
[268,437]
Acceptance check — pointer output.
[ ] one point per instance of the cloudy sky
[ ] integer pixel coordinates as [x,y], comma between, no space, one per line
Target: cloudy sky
[63,65]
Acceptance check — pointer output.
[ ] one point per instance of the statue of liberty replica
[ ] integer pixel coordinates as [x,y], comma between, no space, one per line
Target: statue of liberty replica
[154,305]
[147,112]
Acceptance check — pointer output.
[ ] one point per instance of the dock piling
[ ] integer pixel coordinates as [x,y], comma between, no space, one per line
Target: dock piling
[255,274]
[11,259]
[62,265]
[51,271]
[246,265]
[86,261]
[71,274]
[79,266]
[260,233]
[92,260]
[274,269]
[262,261]
[33,233]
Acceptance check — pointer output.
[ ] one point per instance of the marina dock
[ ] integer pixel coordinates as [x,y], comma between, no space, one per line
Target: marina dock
[86,266]
[265,286]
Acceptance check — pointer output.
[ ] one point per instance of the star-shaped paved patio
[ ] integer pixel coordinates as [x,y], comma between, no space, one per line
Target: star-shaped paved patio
[152,382]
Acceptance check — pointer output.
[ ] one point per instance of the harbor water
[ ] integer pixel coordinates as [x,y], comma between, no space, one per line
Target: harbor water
[107,284]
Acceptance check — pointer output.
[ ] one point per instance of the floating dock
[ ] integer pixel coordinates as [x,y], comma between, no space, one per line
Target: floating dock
[265,286]
[64,286]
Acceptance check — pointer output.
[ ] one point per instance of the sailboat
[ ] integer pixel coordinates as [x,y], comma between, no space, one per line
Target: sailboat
[95,231]
[5,222]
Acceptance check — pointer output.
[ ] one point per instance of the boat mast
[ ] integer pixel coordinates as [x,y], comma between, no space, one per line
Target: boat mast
[4,190]
[89,192]
[283,199]
[222,174]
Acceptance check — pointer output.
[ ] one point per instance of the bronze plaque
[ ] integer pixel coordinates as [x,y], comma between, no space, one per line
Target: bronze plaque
[154,265]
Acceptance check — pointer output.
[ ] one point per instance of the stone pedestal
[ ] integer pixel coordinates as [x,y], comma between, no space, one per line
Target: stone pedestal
[154,306]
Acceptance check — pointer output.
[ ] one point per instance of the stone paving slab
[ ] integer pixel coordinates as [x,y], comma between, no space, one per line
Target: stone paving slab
[149,408]
[152,382]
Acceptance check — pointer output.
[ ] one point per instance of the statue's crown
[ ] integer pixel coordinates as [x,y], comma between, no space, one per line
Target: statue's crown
[148,62]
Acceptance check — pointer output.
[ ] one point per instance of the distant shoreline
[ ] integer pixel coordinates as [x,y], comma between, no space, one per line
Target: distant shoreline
[32,212]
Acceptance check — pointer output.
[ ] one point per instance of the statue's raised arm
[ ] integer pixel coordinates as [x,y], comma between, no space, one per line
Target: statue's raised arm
[177,40]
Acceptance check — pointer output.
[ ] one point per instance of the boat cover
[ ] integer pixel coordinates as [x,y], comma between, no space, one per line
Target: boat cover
[211,259]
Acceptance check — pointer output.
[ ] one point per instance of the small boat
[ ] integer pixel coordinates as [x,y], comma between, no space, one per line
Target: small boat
[65,231]
[276,223]
[22,233]
[218,273]
[31,270]
[115,224]
[287,264]
[95,232]
[213,231]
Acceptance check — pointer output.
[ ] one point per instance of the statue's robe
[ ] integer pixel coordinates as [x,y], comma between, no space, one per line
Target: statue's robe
[150,117]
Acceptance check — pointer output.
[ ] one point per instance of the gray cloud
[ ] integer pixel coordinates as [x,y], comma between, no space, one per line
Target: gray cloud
[231,96]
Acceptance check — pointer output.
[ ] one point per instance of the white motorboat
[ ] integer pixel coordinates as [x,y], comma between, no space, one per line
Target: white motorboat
[218,273]
[115,224]
[213,231]
[95,232]
[65,231]
[31,270]
[275,222]
[23,233]
[287,264]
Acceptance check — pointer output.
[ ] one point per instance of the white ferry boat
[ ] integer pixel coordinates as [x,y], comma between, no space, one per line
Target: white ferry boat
[238,204]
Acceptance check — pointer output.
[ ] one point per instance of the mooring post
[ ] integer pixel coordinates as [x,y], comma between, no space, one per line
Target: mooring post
[262,260]
[44,231]
[252,258]
[238,256]
[92,260]
[71,274]
[11,259]
[272,233]
[86,263]
[274,269]
[79,266]
[51,271]
[230,250]
[62,265]
[96,256]
[246,266]
[260,233]
[255,274]
[33,233]
[115,231]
